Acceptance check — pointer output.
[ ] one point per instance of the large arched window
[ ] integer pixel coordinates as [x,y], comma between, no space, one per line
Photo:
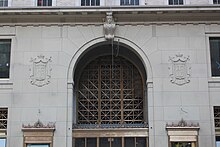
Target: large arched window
[110,92]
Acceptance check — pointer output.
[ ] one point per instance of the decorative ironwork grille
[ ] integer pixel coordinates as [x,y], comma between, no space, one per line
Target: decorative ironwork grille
[110,93]
[3,118]
[217,116]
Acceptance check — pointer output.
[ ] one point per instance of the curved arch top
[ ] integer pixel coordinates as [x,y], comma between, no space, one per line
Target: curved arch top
[136,49]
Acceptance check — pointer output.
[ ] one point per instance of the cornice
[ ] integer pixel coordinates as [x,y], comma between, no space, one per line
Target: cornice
[123,15]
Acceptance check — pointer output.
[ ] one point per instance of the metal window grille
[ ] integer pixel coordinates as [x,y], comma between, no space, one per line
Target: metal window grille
[129,2]
[175,2]
[3,118]
[44,3]
[110,93]
[3,3]
[217,116]
[216,1]
[90,2]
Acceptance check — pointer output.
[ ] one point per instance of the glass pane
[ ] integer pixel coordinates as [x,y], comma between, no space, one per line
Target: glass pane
[93,2]
[181,144]
[217,138]
[91,142]
[83,2]
[215,56]
[116,142]
[104,142]
[181,2]
[2,142]
[38,145]
[141,142]
[5,47]
[129,142]
[80,142]
[170,2]
[49,3]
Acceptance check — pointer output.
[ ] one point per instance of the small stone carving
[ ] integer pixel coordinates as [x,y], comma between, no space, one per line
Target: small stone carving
[109,26]
[40,71]
[39,124]
[179,70]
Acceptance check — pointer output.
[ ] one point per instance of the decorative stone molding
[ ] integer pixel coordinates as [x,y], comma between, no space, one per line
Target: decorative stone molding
[182,124]
[179,70]
[38,133]
[96,126]
[39,124]
[40,71]
[183,132]
[109,26]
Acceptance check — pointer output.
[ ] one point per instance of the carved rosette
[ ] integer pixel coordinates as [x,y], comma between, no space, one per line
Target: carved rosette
[40,71]
[109,26]
[179,69]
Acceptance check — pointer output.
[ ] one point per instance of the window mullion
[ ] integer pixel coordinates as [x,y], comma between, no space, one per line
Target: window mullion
[121,94]
[99,94]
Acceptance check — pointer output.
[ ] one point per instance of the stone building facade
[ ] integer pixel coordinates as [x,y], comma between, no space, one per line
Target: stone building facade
[111,73]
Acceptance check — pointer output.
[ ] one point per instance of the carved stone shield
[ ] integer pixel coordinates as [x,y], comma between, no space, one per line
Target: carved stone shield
[179,70]
[40,71]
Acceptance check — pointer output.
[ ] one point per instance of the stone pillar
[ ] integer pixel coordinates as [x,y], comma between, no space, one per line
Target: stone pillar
[151,125]
[70,113]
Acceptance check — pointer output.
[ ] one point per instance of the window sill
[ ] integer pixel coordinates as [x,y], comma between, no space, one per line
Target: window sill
[6,84]
[214,82]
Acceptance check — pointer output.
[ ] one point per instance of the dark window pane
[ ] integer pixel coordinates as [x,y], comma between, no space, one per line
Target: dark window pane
[44,3]
[176,2]
[49,2]
[3,3]
[91,142]
[141,142]
[136,2]
[129,142]
[116,142]
[87,2]
[83,2]
[181,2]
[97,2]
[170,2]
[5,49]
[217,138]
[215,55]
[104,142]
[92,2]
[215,2]
[80,142]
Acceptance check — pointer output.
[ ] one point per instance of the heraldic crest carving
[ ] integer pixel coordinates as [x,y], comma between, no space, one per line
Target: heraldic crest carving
[109,26]
[179,70]
[40,71]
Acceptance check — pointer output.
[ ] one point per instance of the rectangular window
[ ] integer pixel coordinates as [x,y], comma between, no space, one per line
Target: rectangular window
[2,142]
[175,2]
[5,50]
[38,145]
[216,1]
[3,126]
[129,2]
[3,3]
[90,2]
[44,2]
[215,55]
